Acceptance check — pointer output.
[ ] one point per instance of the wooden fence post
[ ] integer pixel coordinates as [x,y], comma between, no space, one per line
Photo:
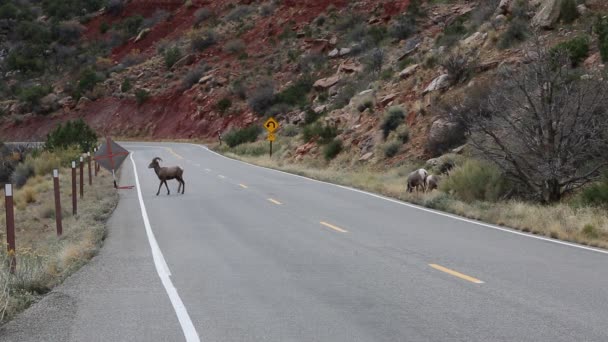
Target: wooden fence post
[57,202]
[10,226]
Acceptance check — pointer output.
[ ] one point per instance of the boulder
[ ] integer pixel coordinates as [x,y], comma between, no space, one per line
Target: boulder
[411,45]
[443,134]
[186,60]
[474,41]
[319,46]
[367,156]
[505,6]
[142,34]
[388,99]
[409,71]
[439,83]
[205,79]
[82,103]
[326,83]
[333,53]
[350,67]
[320,109]
[582,9]
[344,51]
[547,15]
[49,103]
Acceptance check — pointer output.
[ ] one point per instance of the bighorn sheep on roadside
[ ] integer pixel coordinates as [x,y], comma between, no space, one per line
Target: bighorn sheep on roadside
[432,182]
[168,173]
[417,179]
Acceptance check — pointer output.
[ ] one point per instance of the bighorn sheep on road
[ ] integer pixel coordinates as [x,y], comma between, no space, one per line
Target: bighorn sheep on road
[168,173]
[432,182]
[417,179]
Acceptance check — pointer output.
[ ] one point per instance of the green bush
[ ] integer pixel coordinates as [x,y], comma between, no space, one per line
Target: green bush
[515,33]
[72,133]
[596,194]
[223,105]
[235,46]
[295,94]
[104,27]
[126,85]
[141,96]
[577,49]
[32,95]
[324,133]
[203,42]
[393,118]
[88,80]
[67,9]
[403,27]
[601,28]
[171,56]
[9,11]
[131,25]
[568,11]
[26,59]
[262,98]
[475,181]
[22,173]
[391,149]
[244,135]
[332,149]
[403,133]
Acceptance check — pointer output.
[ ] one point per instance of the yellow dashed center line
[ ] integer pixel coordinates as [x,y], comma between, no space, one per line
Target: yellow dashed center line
[274,201]
[456,274]
[331,226]
[243,186]
[173,153]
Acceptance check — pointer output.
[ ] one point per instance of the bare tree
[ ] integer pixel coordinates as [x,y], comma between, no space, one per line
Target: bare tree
[544,124]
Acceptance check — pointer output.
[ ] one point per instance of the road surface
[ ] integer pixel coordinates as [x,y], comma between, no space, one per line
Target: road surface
[250,254]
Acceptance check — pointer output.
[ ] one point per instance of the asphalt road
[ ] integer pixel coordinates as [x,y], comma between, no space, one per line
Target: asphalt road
[250,254]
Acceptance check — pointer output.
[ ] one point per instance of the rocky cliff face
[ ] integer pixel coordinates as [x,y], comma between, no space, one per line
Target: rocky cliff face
[346,62]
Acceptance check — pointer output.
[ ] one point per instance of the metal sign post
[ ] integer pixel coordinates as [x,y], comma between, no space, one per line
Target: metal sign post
[74,199]
[10,226]
[57,202]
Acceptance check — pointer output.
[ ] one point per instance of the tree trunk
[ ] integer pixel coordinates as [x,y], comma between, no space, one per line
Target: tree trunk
[552,191]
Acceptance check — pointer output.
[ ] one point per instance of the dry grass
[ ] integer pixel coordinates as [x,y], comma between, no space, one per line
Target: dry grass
[584,225]
[43,259]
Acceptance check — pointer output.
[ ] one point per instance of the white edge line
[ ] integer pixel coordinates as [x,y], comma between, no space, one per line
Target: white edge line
[163,270]
[455,217]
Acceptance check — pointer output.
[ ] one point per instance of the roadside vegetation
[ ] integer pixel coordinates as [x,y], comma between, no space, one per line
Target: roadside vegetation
[43,259]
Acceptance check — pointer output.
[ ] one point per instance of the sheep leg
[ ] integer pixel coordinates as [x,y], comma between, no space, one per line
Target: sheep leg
[167,186]
[159,185]
[183,185]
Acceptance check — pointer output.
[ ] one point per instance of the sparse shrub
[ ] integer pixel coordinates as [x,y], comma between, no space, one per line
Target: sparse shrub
[32,95]
[22,173]
[324,133]
[568,12]
[453,32]
[191,78]
[202,15]
[577,49]
[72,133]
[596,194]
[171,56]
[262,98]
[391,149]
[290,131]
[332,149]
[239,13]
[393,118]
[601,28]
[311,116]
[475,181]
[201,43]
[131,25]
[516,32]
[234,46]
[126,85]
[223,105]
[590,231]
[320,20]
[244,135]
[365,103]
[403,27]
[88,79]
[238,89]
[44,163]
[68,32]
[104,27]
[267,9]
[296,94]
[403,133]
[459,68]
[348,21]
[115,7]
[484,11]
[141,96]
[375,60]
